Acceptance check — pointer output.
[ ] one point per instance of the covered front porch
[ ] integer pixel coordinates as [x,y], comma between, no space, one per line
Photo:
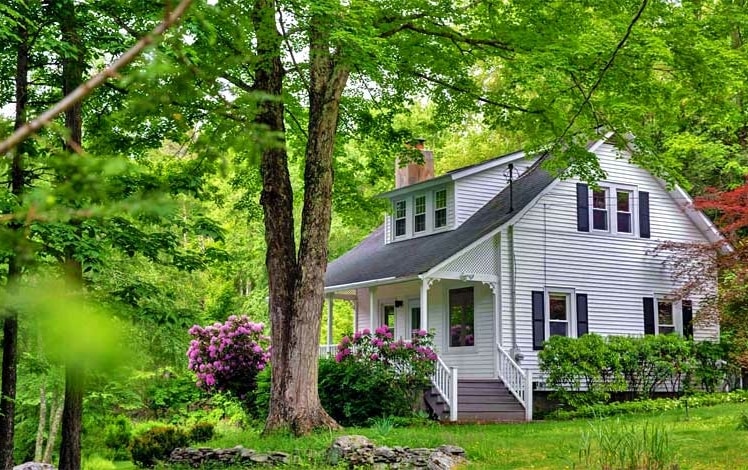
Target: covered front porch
[460,313]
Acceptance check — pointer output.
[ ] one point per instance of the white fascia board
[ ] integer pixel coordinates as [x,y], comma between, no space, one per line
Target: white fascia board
[370,283]
[412,188]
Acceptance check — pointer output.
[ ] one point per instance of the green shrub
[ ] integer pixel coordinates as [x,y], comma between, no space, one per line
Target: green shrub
[375,375]
[584,371]
[118,438]
[354,392]
[201,432]
[649,406]
[711,368]
[156,444]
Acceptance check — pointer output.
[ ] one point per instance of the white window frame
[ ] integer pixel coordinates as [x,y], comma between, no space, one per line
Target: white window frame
[572,309]
[611,198]
[434,209]
[593,208]
[447,339]
[395,218]
[614,216]
[425,213]
[677,313]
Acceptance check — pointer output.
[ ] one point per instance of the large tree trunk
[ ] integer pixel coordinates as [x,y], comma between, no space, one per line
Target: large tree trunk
[296,285]
[72,76]
[10,324]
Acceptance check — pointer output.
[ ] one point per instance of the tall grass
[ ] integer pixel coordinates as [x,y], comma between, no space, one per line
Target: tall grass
[613,445]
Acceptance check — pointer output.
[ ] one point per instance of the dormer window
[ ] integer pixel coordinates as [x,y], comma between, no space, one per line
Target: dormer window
[419,214]
[440,208]
[400,218]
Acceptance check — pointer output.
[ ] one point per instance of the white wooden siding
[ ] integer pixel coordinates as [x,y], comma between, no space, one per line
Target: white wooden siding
[474,191]
[616,272]
[362,314]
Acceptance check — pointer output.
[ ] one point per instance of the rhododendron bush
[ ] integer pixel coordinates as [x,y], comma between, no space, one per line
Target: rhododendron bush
[226,357]
[375,374]
[414,358]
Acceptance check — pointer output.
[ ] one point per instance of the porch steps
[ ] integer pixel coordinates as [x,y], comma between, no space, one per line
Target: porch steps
[479,400]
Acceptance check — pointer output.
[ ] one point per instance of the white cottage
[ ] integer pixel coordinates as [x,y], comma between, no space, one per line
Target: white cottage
[496,268]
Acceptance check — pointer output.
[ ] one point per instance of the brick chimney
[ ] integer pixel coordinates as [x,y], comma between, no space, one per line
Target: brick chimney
[413,173]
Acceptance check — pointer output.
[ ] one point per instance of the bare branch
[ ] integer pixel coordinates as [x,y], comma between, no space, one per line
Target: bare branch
[85,89]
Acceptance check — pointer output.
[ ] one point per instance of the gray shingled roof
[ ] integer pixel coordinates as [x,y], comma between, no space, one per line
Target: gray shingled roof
[372,259]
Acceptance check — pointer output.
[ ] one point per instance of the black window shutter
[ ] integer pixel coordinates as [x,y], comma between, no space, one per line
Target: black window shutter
[538,319]
[583,206]
[649,315]
[583,326]
[644,214]
[688,319]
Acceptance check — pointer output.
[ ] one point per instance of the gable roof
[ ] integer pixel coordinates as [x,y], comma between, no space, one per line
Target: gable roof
[372,259]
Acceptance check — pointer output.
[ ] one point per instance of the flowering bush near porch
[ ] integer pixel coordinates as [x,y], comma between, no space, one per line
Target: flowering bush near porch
[375,375]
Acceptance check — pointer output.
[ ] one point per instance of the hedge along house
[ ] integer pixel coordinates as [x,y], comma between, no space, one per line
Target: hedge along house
[497,257]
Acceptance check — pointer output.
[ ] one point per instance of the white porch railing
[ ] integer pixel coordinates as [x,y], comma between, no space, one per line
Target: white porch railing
[445,382]
[517,380]
[326,350]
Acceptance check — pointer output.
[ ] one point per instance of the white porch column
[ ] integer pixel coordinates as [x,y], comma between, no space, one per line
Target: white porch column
[425,304]
[373,309]
[329,319]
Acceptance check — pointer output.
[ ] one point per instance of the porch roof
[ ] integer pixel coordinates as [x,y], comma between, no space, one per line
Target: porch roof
[372,259]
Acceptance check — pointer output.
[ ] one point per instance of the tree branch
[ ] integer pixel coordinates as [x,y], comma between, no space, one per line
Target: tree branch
[448,33]
[85,89]
[480,98]
[588,95]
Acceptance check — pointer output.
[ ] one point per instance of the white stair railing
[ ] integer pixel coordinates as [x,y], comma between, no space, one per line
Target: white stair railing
[517,380]
[444,380]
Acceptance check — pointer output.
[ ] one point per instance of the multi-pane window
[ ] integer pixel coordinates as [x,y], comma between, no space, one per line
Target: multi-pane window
[400,218]
[623,211]
[558,314]
[440,208]
[461,317]
[665,317]
[600,209]
[419,214]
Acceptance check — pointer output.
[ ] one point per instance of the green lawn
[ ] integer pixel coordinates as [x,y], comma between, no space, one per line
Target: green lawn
[708,439]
